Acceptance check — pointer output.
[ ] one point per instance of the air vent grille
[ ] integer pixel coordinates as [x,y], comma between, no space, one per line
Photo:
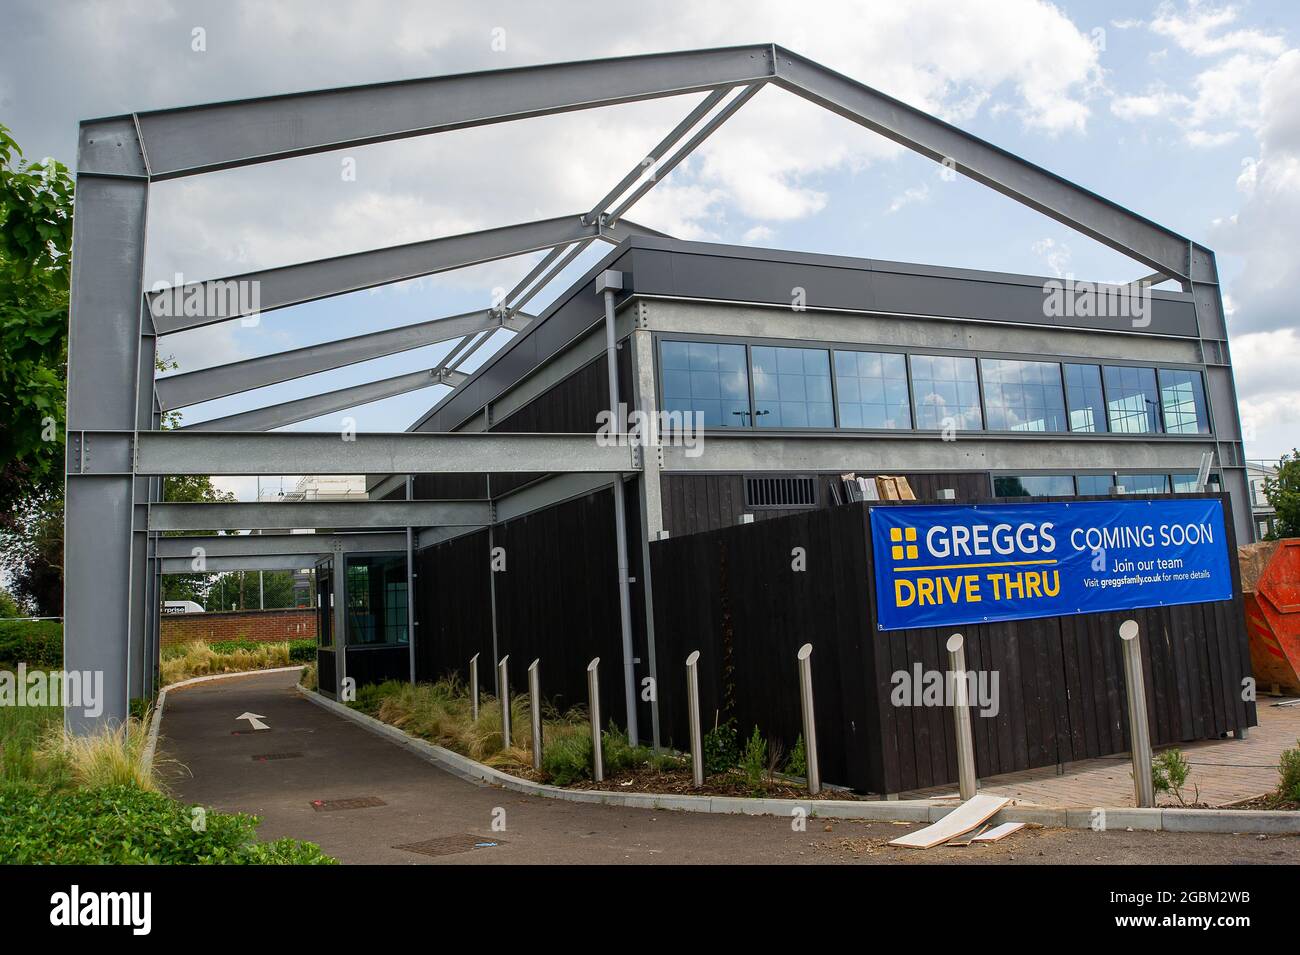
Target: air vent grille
[780,492]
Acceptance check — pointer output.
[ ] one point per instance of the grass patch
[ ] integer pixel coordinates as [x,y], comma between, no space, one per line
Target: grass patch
[199,659]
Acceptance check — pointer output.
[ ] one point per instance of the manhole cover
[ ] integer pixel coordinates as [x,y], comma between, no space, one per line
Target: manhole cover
[267,756]
[450,845]
[360,802]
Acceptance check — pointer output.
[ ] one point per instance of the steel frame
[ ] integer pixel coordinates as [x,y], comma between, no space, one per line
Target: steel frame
[116,453]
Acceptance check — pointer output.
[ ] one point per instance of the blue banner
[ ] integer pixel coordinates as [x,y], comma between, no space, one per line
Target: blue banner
[942,565]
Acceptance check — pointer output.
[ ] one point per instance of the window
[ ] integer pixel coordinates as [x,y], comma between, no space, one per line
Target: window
[1182,393]
[871,389]
[792,387]
[1083,392]
[1034,485]
[376,600]
[707,377]
[1022,395]
[1145,483]
[1093,485]
[1131,400]
[325,605]
[946,392]
[1185,483]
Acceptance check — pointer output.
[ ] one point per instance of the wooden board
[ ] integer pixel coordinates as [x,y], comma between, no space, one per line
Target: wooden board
[999,832]
[973,812]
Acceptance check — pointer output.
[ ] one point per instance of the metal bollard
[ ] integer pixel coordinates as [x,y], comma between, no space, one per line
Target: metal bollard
[593,696]
[535,699]
[966,781]
[809,720]
[1144,789]
[473,687]
[503,682]
[693,709]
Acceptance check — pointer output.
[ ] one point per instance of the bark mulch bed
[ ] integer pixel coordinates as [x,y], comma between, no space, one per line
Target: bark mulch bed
[722,784]
[1273,801]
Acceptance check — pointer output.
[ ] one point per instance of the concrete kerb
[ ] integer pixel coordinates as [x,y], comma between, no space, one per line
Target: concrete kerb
[910,810]
[155,723]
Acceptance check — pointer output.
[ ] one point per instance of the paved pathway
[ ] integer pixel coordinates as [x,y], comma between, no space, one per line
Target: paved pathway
[1226,771]
[335,759]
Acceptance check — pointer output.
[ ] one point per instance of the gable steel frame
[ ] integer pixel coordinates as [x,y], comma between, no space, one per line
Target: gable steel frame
[116,453]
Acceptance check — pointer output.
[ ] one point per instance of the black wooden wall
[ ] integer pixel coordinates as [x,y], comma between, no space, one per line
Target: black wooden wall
[731,593]
[557,601]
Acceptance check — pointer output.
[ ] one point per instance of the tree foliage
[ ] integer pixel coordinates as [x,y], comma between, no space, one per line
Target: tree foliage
[1283,493]
[35,272]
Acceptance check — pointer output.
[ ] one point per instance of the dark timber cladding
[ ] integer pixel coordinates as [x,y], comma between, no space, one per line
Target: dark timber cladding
[732,595]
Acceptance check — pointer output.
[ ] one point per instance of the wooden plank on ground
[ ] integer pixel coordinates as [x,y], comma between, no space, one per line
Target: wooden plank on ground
[998,833]
[970,814]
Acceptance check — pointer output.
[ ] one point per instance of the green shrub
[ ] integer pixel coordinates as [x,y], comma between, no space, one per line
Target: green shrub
[1169,772]
[38,643]
[122,824]
[618,755]
[567,759]
[1289,767]
[21,730]
[721,748]
[797,764]
[302,651]
[753,761]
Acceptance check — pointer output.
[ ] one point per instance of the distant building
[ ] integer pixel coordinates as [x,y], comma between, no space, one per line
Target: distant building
[1265,517]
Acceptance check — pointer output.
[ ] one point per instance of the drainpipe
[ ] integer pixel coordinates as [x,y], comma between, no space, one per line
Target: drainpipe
[607,284]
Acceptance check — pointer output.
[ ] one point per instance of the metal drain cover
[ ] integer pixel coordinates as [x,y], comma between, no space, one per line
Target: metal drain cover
[267,756]
[451,845]
[359,802]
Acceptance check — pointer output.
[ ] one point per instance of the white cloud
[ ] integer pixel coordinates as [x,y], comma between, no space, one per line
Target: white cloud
[1055,254]
[1200,30]
[758,235]
[908,196]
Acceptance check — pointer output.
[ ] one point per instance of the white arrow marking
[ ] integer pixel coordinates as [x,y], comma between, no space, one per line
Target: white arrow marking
[254,720]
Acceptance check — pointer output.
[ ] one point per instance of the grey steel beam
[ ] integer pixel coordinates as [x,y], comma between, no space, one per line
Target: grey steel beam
[703,133]
[270,515]
[104,567]
[220,381]
[556,268]
[198,304]
[304,409]
[223,565]
[404,452]
[275,545]
[1046,192]
[658,152]
[183,142]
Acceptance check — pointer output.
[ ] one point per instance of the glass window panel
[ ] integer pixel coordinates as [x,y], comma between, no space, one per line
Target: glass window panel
[792,387]
[1092,485]
[1132,402]
[946,393]
[1034,485]
[708,378]
[871,388]
[1185,483]
[1144,483]
[1022,395]
[1085,399]
[1182,394]
[376,600]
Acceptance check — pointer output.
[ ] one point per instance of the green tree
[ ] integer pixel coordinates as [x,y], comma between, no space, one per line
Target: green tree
[190,489]
[8,605]
[35,271]
[1283,493]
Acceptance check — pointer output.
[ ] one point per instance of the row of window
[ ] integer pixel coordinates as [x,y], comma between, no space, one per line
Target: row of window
[1070,485]
[768,386]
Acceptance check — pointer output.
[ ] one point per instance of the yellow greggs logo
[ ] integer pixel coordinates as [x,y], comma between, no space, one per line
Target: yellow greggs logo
[897,537]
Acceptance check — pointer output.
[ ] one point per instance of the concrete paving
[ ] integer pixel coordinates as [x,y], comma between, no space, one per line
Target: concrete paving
[211,757]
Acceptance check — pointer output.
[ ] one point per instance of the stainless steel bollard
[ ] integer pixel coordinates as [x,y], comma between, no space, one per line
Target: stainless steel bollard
[966,781]
[535,699]
[593,697]
[1139,731]
[473,687]
[693,709]
[503,683]
[809,720]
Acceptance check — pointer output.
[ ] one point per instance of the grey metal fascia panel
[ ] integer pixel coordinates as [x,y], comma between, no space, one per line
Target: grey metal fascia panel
[219,565]
[307,452]
[182,142]
[271,515]
[272,545]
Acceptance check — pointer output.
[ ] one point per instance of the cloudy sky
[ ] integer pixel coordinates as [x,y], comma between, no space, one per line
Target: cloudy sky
[1185,112]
